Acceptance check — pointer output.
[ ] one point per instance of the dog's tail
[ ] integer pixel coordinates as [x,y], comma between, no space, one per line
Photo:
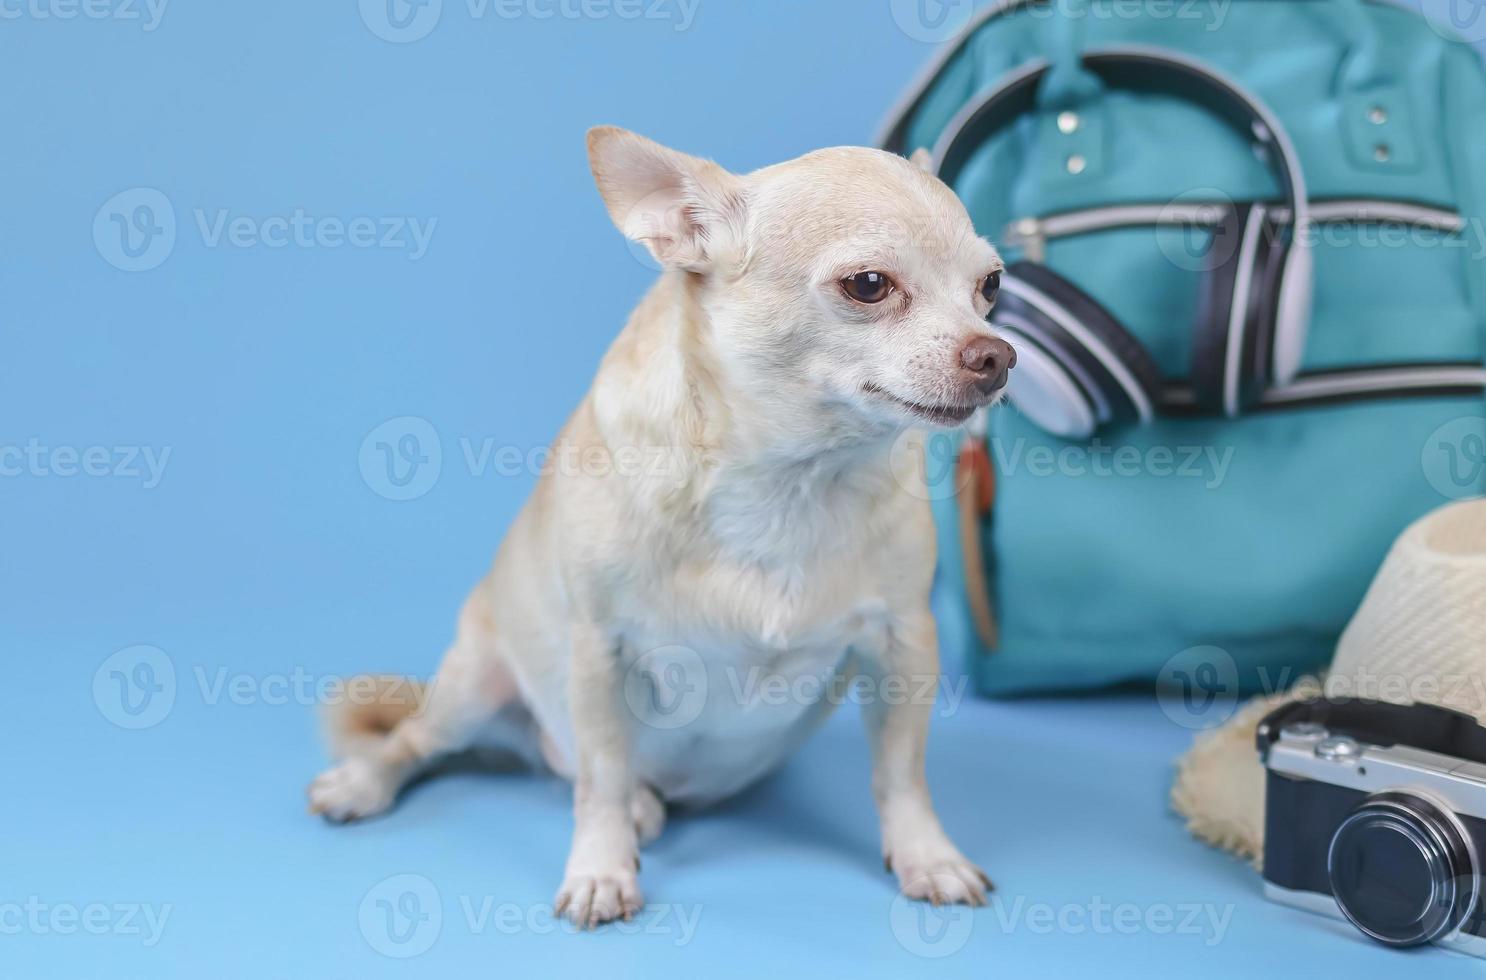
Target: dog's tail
[368,707]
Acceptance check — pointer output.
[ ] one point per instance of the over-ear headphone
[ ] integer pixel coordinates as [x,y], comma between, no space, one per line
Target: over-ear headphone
[1078,367]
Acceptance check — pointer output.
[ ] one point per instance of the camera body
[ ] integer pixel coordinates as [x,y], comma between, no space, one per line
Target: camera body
[1376,813]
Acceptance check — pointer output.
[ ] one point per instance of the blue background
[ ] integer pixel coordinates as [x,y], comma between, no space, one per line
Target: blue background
[268,550]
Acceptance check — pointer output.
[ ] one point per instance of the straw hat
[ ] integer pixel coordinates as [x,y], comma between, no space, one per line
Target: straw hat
[1419,636]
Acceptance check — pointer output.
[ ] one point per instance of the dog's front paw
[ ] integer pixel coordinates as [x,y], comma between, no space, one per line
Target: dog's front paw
[592,897]
[939,874]
[353,790]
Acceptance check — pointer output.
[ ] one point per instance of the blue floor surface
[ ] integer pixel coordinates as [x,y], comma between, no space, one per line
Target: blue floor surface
[183,850]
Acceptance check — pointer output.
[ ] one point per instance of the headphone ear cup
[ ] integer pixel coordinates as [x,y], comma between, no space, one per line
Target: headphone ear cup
[1215,296]
[1264,313]
[1078,367]
[1236,310]
[1292,321]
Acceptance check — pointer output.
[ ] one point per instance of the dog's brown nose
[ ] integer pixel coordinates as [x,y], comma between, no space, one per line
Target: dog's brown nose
[988,360]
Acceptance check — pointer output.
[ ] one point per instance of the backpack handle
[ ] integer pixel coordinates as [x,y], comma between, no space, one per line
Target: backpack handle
[1362,68]
[1069,83]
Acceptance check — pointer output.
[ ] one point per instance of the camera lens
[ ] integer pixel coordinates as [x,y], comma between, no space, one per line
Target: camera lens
[1401,870]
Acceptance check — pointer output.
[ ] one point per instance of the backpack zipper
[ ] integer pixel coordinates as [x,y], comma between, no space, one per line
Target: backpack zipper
[1032,234]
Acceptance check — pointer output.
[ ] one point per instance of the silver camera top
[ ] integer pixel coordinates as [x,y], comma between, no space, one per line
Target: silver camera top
[1308,750]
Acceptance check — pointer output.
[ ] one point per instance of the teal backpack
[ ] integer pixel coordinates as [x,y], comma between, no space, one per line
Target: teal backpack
[1247,290]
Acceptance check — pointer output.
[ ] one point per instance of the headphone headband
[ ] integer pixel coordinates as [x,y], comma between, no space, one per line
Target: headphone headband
[1129,67]
[1142,68]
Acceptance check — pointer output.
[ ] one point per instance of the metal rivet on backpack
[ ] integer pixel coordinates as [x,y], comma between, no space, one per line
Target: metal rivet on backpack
[1068,122]
[1076,164]
[1381,153]
[1377,115]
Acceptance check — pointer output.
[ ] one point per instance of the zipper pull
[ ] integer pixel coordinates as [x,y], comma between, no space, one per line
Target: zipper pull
[976,480]
[976,475]
[975,456]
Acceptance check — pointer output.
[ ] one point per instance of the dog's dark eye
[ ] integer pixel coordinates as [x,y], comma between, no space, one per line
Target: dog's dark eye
[991,287]
[868,287]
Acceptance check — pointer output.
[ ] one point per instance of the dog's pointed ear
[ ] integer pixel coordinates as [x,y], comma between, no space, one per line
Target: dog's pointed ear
[923,160]
[687,211]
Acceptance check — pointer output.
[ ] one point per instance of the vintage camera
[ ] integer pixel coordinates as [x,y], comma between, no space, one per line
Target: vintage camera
[1376,812]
